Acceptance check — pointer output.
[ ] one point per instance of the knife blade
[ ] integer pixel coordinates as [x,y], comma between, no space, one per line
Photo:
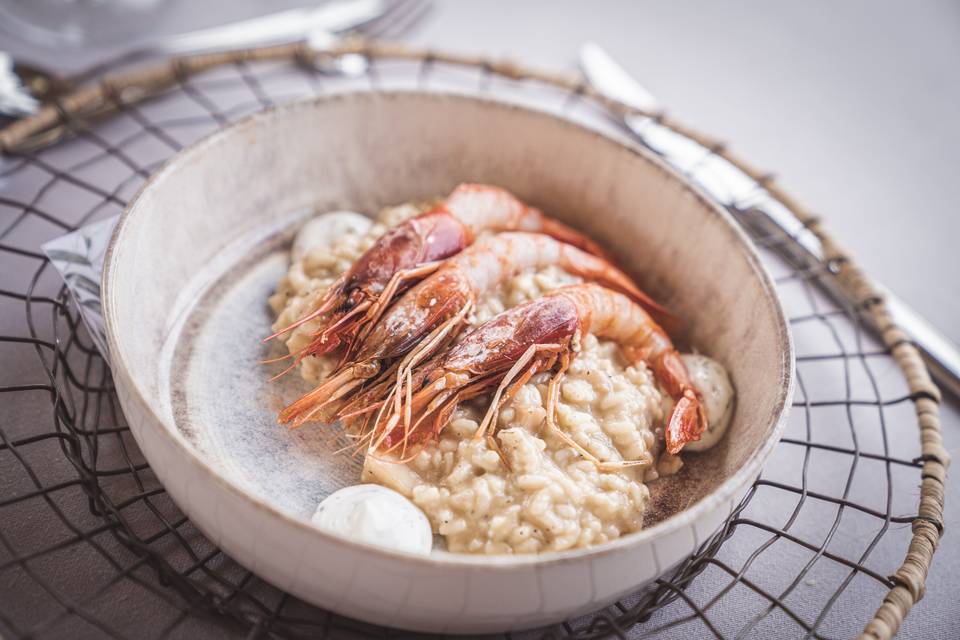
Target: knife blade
[730,186]
[612,80]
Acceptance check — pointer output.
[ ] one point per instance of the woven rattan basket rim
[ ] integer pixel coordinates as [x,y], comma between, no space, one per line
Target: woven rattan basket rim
[114,91]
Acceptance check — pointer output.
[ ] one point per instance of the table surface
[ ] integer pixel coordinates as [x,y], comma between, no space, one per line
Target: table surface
[853,104]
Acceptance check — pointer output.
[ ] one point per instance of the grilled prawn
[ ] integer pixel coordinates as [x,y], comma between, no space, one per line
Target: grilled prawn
[502,355]
[441,302]
[413,250]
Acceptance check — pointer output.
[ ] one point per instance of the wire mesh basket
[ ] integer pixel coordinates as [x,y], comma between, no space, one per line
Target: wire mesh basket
[90,543]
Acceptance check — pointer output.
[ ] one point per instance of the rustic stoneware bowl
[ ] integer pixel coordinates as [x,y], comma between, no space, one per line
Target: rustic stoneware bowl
[196,255]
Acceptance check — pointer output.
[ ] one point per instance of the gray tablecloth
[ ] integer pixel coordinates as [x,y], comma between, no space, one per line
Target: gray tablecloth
[854,105]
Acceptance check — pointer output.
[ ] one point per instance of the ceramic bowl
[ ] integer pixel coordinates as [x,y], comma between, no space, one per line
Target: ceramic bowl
[200,249]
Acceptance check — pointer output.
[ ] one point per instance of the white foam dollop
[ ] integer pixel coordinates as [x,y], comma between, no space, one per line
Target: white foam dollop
[711,379]
[324,230]
[376,515]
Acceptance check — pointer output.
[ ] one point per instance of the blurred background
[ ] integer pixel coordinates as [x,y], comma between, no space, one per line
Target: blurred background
[854,105]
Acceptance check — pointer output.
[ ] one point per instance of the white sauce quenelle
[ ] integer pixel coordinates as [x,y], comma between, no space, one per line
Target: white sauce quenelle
[326,229]
[375,515]
[711,379]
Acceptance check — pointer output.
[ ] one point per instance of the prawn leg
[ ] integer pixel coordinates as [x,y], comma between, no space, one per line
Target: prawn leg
[517,369]
[506,351]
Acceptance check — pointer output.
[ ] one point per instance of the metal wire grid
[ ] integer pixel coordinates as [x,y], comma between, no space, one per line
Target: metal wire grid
[90,543]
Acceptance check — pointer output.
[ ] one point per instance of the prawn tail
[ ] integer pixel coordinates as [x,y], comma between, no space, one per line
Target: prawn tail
[687,422]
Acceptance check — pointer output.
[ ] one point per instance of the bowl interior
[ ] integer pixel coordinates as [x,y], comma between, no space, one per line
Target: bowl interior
[201,249]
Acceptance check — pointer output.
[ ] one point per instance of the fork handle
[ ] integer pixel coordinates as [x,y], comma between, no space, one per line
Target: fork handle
[277,28]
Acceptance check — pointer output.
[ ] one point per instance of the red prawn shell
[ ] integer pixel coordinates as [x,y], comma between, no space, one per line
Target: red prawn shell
[431,236]
[502,340]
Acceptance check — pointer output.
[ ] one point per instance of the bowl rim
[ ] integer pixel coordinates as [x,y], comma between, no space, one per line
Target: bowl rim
[496,562]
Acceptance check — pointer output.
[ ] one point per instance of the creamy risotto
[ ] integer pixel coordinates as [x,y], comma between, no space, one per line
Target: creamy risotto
[533,492]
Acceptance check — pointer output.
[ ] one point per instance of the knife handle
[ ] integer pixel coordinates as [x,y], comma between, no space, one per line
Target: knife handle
[768,216]
[940,353]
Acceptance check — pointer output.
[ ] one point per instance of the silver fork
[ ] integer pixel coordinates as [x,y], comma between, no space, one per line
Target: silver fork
[400,21]
[397,20]
[23,88]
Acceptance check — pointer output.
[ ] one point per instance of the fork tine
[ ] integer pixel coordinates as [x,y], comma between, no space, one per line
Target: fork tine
[368,29]
[412,20]
[412,14]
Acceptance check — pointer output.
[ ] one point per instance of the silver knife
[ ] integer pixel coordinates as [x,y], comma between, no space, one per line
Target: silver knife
[729,185]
